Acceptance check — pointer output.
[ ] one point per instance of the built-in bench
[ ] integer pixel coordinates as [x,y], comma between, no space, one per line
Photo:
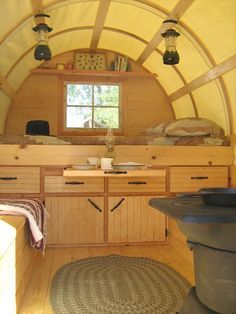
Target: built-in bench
[16,261]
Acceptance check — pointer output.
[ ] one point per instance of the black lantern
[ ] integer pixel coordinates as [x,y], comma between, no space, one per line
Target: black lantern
[171,55]
[42,50]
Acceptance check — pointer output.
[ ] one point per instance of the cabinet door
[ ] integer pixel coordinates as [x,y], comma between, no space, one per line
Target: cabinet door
[131,219]
[75,220]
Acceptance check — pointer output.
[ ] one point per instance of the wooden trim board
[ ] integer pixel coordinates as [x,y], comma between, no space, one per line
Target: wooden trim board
[66,155]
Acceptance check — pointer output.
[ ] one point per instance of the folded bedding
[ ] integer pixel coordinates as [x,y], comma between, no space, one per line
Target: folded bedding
[36,214]
[187,131]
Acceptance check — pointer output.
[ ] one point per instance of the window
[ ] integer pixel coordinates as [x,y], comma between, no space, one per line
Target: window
[90,106]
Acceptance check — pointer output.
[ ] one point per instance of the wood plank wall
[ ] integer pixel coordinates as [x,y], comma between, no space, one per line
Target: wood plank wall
[145,102]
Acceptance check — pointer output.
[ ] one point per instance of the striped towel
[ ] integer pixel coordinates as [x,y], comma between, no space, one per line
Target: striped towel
[35,212]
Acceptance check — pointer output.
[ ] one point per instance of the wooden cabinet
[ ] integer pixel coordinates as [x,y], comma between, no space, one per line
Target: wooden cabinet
[95,207]
[75,220]
[191,179]
[98,207]
[19,180]
[131,219]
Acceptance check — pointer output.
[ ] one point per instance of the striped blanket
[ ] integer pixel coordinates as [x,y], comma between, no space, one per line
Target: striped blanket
[35,212]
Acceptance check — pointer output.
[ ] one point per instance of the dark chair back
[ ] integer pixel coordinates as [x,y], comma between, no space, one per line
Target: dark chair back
[37,127]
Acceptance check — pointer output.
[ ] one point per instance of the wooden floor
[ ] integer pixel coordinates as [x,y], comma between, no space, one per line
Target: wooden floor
[36,300]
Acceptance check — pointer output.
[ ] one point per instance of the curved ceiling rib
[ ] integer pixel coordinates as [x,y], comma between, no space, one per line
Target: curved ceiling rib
[212,74]
[4,84]
[99,24]
[175,14]
[105,28]
[37,6]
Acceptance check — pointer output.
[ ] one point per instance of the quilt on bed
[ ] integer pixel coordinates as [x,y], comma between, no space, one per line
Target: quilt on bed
[36,214]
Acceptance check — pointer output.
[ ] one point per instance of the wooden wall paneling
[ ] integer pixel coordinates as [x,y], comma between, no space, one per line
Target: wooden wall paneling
[40,98]
[146,106]
[36,100]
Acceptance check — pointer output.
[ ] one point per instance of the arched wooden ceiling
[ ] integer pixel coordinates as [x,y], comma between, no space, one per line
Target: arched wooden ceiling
[202,84]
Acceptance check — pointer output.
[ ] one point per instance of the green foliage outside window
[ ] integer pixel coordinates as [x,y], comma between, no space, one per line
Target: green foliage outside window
[92,105]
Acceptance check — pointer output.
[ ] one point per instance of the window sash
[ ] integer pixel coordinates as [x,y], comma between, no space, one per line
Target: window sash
[93,107]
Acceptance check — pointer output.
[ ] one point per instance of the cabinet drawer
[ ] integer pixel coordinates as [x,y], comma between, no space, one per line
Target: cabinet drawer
[19,180]
[137,184]
[191,179]
[57,184]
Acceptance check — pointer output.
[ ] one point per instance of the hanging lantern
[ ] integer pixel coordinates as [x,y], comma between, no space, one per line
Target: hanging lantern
[42,28]
[171,55]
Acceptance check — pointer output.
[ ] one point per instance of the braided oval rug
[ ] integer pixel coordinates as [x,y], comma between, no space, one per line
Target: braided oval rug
[117,284]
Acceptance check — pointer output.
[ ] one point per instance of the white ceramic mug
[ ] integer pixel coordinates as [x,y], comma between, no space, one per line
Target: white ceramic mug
[106,163]
[93,161]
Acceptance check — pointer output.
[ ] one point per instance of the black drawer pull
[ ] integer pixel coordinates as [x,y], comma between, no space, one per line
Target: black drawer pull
[117,205]
[199,178]
[137,182]
[8,178]
[94,205]
[74,182]
[115,172]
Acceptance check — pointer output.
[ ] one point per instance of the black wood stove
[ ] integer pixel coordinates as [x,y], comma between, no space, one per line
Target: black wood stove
[211,234]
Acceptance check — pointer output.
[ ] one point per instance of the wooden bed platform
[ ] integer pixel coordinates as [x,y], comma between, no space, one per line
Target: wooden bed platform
[16,262]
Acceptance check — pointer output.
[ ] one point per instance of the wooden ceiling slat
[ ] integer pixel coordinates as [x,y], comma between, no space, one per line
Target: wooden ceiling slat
[203,79]
[175,14]
[180,8]
[99,24]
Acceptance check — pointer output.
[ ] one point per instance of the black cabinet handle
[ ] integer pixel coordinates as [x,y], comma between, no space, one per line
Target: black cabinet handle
[8,178]
[117,205]
[94,205]
[74,182]
[137,182]
[199,178]
[115,172]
